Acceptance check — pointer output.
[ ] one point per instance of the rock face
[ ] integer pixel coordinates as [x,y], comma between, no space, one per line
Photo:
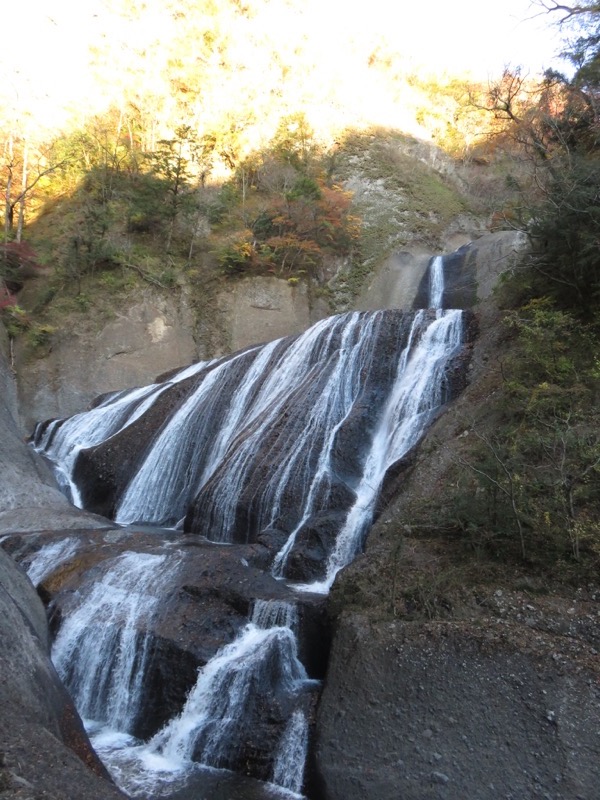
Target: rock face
[156,333]
[43,746]
[260,309]
[452,710]
[471,272]
[498,699]
[153,335]
[29,495]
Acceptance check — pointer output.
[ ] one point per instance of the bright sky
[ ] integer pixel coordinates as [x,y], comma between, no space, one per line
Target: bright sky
[481,36]
[45,57]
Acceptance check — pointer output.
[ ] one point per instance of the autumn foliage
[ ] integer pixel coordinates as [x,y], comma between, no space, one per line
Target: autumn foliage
[295,219]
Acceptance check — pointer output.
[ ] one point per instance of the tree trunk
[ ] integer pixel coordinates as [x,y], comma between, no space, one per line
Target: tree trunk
[21,219]
[8,209]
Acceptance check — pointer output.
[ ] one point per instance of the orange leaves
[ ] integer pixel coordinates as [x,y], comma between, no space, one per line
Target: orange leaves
[295,231]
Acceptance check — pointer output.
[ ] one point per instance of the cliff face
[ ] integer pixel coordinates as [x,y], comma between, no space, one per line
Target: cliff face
[498,698]
[157,333]
[29,497]
[154,333]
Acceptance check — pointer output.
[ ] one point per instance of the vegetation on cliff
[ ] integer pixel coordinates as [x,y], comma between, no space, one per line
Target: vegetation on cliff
[239,152]
[515,465]
[536,474]
[172,188]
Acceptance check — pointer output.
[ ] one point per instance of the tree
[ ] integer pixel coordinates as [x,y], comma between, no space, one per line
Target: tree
[22,175]
[180,162]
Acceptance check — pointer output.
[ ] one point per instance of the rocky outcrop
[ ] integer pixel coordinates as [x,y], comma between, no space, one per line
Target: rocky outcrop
[462,691]
[454,710]
[29,496]
[152,335]
[209,599]
[261,309]
[471,273]
[43,748]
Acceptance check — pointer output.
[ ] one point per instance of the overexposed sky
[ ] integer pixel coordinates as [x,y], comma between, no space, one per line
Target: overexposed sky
[46,55]
[479,35]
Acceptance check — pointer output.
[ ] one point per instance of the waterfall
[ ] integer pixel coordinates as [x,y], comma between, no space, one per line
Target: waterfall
[262,662]
[49,557]
[288,767]
[61,441]
[416,395]
[417,392]
[329,361]
[163,480]
[290,440]
[101,648]
[275,613]
[263,658]
[276,437]
[436,282]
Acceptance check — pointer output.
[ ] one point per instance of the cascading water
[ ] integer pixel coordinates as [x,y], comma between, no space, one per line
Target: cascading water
[436,282]
[210,730]
[101,648]
[288,767]
[329,361]
[294,438]
[415,396]
[49,557]
[62,440]
[212,720]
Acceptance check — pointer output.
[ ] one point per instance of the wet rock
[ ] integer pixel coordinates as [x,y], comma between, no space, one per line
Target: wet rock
[314,541]
[208,602]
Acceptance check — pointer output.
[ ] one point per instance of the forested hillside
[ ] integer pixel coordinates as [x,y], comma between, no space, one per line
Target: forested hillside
[214,147]
[223,150]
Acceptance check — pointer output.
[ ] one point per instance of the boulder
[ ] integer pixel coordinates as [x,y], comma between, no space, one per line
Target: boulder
[43,746]
[452,710]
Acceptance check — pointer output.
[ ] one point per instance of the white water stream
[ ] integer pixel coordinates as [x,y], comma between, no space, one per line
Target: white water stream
[100,650]
[49,557]
[62,440]
[213,722]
